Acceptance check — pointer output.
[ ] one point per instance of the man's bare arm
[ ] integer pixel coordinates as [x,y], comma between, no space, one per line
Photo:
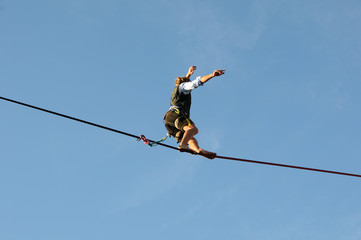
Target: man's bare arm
[191,71]
[216,73]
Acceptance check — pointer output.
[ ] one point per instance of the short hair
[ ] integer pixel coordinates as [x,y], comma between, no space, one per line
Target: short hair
[180,80]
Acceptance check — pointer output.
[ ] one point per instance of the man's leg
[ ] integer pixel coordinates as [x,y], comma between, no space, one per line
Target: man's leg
[189,132]
[193,144]
[188,139]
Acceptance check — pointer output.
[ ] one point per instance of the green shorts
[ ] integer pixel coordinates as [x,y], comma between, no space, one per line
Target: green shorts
[174,123]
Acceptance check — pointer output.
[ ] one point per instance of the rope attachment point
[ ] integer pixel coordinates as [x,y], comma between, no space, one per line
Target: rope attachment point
[151,143]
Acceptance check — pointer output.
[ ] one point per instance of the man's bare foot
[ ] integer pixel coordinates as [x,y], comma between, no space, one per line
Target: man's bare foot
[185,148]
[209,155]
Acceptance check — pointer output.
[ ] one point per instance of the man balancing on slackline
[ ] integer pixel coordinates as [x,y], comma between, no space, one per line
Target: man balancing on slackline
[177,119]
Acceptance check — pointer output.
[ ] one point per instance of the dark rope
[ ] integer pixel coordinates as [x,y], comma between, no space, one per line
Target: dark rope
[289,166]
[174,148]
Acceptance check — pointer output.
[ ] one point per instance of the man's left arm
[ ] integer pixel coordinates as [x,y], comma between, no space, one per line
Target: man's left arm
[191,71]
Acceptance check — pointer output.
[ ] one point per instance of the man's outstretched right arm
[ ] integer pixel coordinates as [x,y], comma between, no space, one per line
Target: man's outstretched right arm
[187,87]
[208,77]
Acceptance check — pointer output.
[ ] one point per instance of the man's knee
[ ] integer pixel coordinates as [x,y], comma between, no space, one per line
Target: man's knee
[195,129]
[192,128]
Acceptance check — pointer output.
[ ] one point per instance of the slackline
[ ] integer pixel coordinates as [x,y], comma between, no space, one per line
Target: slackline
[175,148]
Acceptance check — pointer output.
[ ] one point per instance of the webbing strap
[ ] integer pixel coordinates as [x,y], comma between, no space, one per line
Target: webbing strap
[151,143]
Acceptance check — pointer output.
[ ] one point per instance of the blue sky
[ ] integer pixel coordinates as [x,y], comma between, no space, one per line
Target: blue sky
[290,95]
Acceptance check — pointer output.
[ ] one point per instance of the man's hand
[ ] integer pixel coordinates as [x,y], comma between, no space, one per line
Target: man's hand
[218,73]
[191,71]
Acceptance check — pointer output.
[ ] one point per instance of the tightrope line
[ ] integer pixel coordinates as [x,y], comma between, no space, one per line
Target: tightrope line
[174,148]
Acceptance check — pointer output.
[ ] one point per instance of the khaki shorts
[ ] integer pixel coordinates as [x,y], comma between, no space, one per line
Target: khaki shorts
[174,123]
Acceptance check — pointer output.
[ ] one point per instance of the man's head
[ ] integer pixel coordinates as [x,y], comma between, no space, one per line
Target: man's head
[181,80]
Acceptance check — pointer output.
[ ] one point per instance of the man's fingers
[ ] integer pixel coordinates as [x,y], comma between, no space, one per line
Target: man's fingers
[219,72]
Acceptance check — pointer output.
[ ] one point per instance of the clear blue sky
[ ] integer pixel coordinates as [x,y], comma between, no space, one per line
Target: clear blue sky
[291,95]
